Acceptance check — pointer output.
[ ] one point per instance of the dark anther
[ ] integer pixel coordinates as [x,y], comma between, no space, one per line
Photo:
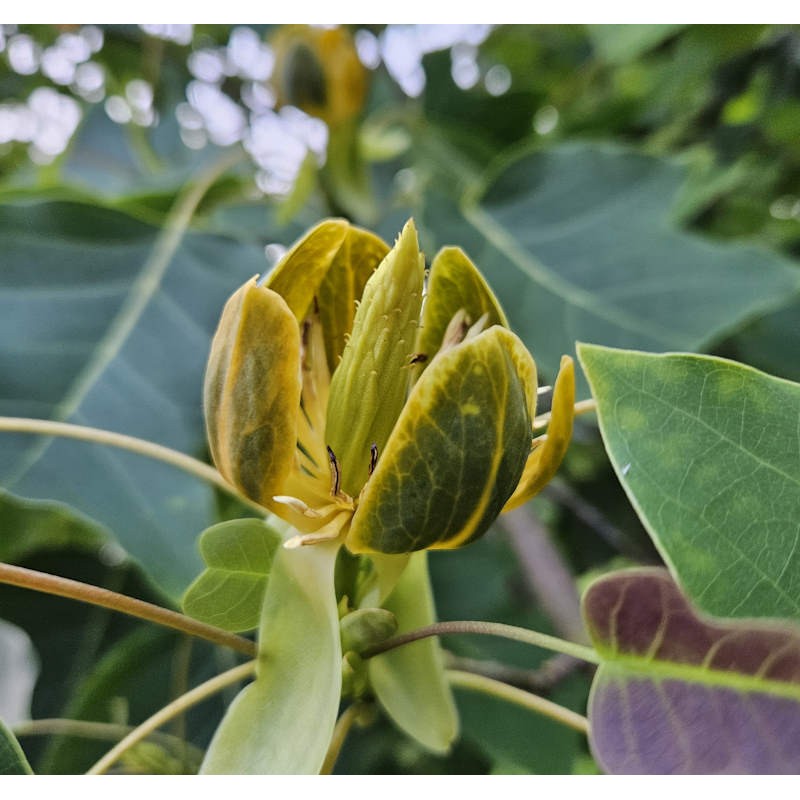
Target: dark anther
[335,476]
[373,457]
[418,358]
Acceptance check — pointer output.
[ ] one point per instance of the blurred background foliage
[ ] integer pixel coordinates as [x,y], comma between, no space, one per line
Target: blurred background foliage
[635,185]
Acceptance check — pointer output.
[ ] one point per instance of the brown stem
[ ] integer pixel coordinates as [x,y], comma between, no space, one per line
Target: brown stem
[500,629]
[543,679]
[75,590]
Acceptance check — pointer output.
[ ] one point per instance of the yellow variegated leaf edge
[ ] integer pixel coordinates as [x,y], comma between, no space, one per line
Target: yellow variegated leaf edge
[544,460]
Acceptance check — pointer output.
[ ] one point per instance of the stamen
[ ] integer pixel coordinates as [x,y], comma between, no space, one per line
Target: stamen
[335,474]
[297,505]
[373,458]
[418,358]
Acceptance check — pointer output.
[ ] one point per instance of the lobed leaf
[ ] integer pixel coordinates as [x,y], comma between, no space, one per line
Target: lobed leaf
[230,592]
[409,682]
[282,723]
[708,453]
[456,453]
[677,693]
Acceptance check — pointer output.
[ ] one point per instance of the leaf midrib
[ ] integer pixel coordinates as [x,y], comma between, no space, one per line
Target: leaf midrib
[659,671]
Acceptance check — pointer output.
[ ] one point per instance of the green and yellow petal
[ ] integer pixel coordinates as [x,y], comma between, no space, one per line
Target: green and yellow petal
[251,392]
[370,385]
[546,457]
[455,285]
[457,452]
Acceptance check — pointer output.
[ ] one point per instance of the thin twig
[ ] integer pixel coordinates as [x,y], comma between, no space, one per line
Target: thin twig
[487,629]
[75,590]
[176,707]
[480,683]
[343,726]
[564,495]
[121,441]
[104,731]
[546,573]
[552,671]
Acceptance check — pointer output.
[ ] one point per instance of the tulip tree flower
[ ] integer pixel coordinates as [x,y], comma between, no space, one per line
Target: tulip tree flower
[373,417]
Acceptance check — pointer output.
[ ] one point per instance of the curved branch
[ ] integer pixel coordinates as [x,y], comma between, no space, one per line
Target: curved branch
[75,590]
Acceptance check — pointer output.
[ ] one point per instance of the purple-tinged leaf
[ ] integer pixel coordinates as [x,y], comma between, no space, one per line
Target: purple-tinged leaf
[677,693]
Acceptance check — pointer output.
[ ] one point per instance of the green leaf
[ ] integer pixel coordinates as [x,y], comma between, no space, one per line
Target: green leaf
[29,526]
[676,693]
[621,44]
[578,243]
[281,724]
[457,452]
[409,682]
[12,759]
[230,592]
[94,331]
[707,451]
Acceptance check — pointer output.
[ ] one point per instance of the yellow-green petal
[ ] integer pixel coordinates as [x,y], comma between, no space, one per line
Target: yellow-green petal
[454,284]
[298,275]
[282,723]
[252,391]
[369,387]
[409,682]
[544,461]
[457,452]
[357,258]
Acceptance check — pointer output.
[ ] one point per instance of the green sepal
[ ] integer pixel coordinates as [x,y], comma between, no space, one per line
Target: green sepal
[454,284]
[410,682]
[251,392]
[282,723]
[230,592]
[370,384]
[457,452]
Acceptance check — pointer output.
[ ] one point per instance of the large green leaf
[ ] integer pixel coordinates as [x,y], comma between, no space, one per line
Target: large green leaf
[94,331]
[230,592]
[281,724]
[12,759]
[578,243]
[707,451]
[621,44]
[676,693]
